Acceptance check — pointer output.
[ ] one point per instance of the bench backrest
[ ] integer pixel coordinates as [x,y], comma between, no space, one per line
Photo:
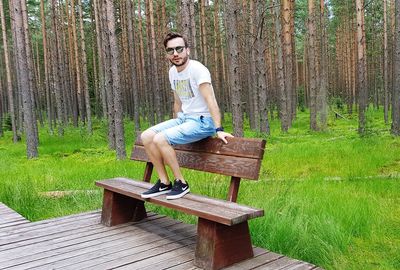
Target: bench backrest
[240,158]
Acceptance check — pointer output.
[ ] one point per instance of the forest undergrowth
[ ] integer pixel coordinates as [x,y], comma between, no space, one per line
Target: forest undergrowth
[331,198]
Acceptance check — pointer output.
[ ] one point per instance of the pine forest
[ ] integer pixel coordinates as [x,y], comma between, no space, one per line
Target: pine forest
[67,62]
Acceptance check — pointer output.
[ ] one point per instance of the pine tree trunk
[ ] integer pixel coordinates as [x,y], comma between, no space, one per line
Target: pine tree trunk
[361,67]
[56,70]
[114,53]
[323,87]
[79,87]
[85,71]
[385,64]
[132,55]
[31,68]
[283,108]
[261,70]
[10,95]
[312,65]
[203,32]
[18,6]
[232,9]
[288,57]
[46,68]
[154,64]
[396,83]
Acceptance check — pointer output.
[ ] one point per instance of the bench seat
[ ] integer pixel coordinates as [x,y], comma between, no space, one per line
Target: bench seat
[221,211]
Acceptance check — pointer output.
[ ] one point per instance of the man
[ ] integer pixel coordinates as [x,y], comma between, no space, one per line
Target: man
[196,114]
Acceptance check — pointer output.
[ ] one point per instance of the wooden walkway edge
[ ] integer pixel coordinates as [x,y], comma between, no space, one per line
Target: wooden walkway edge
[82,242]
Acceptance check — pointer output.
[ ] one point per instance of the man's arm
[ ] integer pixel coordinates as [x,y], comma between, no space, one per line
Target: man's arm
[208,94]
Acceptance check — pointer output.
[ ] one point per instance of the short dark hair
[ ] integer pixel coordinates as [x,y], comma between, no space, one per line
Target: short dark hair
[172,35]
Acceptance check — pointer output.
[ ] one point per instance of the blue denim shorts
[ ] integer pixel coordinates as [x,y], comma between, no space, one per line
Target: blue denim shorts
[186,128]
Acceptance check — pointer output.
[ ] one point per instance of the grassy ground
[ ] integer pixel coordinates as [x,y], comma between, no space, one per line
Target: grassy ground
[331,198]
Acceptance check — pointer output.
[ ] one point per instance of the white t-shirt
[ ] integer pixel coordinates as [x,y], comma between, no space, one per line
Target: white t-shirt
[186,86]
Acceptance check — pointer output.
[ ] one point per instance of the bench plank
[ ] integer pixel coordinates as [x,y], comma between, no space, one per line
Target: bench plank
[237,147]
[220,211]
[242,167]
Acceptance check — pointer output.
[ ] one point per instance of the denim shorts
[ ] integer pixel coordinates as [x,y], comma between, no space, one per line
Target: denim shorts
[186,128]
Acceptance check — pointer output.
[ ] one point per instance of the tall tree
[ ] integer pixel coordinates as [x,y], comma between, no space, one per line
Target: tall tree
[361,67]
[17,8]
[288,56]
[261,70]
[56,68]
[85,70]
[385,63]
[46,67]
[396,84]
[283,107]
[312,64]
[154,62]
[323,82]
[232,12]
[115,60]
[132,55]
[10,95]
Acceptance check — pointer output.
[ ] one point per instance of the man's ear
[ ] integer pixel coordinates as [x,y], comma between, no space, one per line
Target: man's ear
[188,51]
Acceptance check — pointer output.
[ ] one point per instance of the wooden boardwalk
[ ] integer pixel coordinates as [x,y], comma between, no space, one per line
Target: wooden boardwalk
[81,242]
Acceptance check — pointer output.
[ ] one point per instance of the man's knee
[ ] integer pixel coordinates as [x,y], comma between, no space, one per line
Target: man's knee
[147,136]
[159,139]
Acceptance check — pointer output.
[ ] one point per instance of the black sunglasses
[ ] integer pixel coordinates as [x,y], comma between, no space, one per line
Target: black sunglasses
[178,49]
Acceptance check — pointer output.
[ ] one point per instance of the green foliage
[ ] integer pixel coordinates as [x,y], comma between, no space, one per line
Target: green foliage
[330,198]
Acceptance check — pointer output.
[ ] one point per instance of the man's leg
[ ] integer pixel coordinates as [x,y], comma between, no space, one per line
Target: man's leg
[168,154]
[154,155]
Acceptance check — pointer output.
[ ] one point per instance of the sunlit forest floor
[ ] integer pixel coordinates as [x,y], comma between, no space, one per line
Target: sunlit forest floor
[331,198]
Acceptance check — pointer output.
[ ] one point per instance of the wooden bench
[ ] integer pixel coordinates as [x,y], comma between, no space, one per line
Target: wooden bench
[223,236]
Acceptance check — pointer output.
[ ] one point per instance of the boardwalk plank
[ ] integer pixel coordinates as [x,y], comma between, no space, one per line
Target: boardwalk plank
[280,263]
[51,247]
[256,261]
[21,238]
[172,258]
[77,249]
[81,242]
[103,247]
[148,253]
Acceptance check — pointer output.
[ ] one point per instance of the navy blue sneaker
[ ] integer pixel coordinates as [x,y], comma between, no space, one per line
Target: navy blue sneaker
[157,190]
[178,190]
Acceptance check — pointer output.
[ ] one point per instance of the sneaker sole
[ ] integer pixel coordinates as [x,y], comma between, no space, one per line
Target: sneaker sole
[146,196]
[177,196]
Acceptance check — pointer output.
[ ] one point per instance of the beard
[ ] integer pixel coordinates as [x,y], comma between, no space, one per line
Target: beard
[184,60]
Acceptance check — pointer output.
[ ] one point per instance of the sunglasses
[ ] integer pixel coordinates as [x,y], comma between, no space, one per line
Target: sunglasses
[178,49]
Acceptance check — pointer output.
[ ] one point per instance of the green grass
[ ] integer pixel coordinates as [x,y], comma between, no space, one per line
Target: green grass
[331,198]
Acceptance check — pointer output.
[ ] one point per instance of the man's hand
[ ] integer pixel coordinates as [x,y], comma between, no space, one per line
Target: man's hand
[223,135]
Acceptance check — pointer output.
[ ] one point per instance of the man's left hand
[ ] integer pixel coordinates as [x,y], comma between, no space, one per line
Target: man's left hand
[223,135]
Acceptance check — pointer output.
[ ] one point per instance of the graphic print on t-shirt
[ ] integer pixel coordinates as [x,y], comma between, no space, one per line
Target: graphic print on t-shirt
[183,89]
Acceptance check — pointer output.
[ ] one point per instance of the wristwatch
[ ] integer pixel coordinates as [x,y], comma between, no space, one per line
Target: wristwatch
[221,128]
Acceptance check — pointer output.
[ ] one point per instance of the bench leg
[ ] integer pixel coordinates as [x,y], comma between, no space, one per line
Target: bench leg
[118,209]
[220,245]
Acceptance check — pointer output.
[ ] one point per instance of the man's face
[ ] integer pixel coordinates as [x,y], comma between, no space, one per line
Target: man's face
[176,51]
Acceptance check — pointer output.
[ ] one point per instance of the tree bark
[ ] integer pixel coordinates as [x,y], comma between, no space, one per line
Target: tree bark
[132,55]
[283,108]
[396,84]
[232,10]
[361,67]
[85,71]
[312,65]
[10,95]
[114,53]
[23,76]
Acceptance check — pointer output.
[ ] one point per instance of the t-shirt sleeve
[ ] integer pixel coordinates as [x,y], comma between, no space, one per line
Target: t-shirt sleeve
[201,74]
